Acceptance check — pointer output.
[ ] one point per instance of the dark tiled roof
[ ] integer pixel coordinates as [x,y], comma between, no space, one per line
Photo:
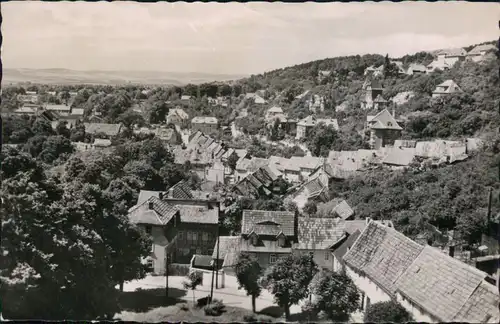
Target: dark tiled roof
[319,233]
[482,306]
[382,254]
[160,213]
[384,120]
[181,190]
[284,219]
[342,249]
[439,283]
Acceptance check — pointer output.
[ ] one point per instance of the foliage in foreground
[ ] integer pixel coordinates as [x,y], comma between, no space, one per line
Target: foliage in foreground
[385,312]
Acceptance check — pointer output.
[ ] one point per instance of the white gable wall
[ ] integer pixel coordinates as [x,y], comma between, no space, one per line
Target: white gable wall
[368,287]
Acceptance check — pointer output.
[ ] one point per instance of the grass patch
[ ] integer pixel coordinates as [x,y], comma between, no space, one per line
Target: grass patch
[187,312]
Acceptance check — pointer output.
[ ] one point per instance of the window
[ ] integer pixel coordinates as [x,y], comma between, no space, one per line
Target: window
[181,235]
[149,229]
[205,237]
[198,251]
[272,258]
[281,241]
[195,236]
[150,266]
[327,255]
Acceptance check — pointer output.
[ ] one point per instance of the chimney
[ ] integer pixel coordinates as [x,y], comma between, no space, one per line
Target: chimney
[160,195]
[368,219]
[393,112]
[451,251]
[150,205]
[171,193]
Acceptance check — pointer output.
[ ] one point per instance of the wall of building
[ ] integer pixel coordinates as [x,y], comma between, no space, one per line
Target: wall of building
[292,176]
[323,258]
[419,315]
[368,287]
[301,131]
[264,258]
[158,249]
[383,137]
[204,127]
[194,239]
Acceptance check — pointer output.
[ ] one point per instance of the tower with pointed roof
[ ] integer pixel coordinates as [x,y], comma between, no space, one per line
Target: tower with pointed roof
[384,130]
[372,89]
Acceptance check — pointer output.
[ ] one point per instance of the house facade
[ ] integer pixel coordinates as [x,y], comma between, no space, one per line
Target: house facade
[205,125]
[479,53]
[160,221]
[268,235]
[446,88]
[452,56]
[177,117]
[371,90]
[384,130]
[305,125]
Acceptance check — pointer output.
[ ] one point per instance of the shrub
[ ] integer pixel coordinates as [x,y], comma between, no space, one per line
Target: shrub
[250,318]
[184,307]
[215,308]
[387,312]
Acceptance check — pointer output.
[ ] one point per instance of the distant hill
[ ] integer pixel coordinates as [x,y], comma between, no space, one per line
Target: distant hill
[65,76]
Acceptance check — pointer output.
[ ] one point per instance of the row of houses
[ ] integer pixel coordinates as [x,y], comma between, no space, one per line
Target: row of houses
[444,60]
[383,263]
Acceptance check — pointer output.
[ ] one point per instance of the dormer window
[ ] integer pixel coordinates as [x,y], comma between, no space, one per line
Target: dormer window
[254,239]
[281,239]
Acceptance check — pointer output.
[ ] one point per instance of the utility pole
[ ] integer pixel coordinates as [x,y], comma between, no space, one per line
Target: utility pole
[166,271]
[217,260]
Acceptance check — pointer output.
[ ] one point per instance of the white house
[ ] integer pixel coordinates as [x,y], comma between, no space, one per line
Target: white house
[376,260]
[451,56]
[479,52]
[305,125]
[446,88]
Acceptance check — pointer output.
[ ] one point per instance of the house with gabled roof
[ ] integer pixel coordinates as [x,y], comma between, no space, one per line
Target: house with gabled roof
[446,88]
[261,182]
[377,259]
[438,65]
[479,53]
[384,130]
[304,126]
[375,71]
[431,285]
[106,130]
[203,124]
[317,236]
[451,56]
[337,208]
[177,116]
[416,69]
[435,288]
[372,88]
[399,157]
[160,220]
[268,235]
[312,190]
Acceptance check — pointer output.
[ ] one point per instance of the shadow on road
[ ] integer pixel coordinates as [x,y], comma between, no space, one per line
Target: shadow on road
[143,300]
[273,311]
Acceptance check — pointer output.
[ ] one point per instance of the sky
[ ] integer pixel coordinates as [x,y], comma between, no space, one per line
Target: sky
[230,38]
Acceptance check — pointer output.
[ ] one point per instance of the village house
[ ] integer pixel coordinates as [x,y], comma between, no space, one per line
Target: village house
[255,98]
[441,150]
[27,110]
[415,69]
[246,166]
[207,125]
[438,65]
[268,235]
[317,236]
[431,285]
[371,90]
[262,182]
[101,143]
[451,56]
[347,163]
[336,208]
[329,172]
[479,53]
[384,130]
[165,134]
[304,126]
[31,97]
[61,110]
[399,157]
[316,103]
[435,288]
[374,71]
[446,88]
[274,113]
[312,191]
[380,103]
[399,66]
[289,170]
[158,219]
[103,130]
[186,100]
[376,250]
[177,116]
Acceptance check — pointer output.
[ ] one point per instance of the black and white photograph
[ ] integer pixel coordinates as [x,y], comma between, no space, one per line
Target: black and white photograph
[268,162]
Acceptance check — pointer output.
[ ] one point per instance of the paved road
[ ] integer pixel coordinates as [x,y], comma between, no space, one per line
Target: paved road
[230,296]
